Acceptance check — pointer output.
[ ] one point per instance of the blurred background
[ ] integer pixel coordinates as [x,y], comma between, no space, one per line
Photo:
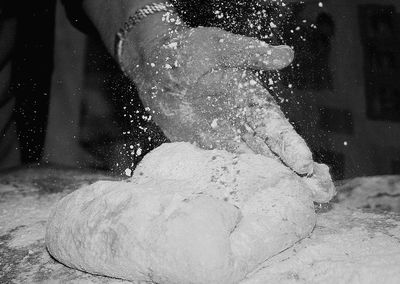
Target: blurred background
[74,108]
[347,85]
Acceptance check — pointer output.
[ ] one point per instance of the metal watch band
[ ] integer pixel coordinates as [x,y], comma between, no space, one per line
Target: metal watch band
[139,15]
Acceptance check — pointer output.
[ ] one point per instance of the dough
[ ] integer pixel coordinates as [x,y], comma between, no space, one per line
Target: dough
[186,216]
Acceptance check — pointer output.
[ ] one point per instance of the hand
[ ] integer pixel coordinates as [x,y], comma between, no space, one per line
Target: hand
[200,86]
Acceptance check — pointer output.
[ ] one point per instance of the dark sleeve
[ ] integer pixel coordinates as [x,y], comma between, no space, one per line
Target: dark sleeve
[8,9]
[78,17]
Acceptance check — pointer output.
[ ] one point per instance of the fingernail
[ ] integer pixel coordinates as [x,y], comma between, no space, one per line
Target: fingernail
[283,56]
[305,169]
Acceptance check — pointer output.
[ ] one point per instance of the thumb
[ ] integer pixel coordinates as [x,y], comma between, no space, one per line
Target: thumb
[237,51]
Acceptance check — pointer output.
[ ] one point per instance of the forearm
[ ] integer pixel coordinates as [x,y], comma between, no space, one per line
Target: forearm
[108,16]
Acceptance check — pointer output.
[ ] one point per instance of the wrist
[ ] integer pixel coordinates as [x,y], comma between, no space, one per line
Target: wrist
[153,28]
[109,16]
[145,30]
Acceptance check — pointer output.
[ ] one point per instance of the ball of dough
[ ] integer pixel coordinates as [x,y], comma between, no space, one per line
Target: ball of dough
[186,216]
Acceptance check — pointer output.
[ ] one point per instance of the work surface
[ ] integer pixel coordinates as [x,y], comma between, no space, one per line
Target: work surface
[348,245]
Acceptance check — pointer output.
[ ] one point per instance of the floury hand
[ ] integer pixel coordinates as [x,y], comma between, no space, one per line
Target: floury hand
[200,85]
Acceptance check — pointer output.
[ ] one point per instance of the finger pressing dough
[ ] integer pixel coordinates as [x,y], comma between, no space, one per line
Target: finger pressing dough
[186,216]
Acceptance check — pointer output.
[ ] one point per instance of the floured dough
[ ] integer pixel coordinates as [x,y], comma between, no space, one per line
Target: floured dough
[186,216]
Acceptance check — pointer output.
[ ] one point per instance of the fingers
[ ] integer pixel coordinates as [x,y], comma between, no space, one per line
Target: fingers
[250,53]
[282,139]
[321,184]
[256,144]
[268,123]
[265,122]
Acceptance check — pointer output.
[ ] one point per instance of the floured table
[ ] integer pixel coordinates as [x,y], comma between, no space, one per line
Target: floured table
[347,245]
